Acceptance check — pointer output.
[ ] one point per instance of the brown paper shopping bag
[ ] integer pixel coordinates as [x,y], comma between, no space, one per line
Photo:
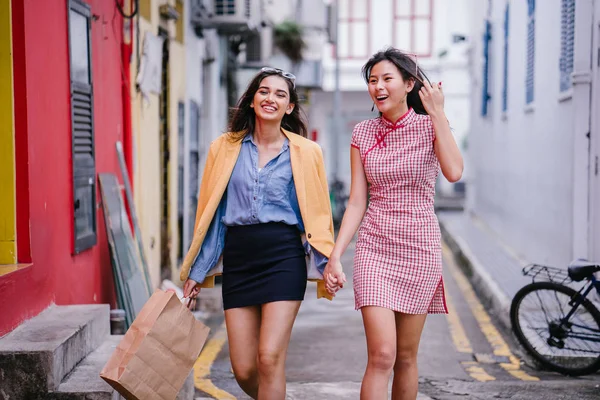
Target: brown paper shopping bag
[157,353]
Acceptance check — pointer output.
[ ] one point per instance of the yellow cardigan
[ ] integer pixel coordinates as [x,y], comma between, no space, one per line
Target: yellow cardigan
[312,190]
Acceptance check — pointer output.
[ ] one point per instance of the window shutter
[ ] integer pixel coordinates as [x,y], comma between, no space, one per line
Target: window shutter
[529,77]
[82,126]
[567,43]
[485,93]
[505,61]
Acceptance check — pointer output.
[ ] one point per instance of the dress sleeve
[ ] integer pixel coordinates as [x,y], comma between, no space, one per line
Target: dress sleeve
[354,142]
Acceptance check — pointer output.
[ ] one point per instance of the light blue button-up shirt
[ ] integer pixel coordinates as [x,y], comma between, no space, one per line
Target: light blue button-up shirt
[253,196]
[257,196]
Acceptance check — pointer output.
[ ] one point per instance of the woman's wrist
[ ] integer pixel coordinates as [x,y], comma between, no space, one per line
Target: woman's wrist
[438,116]
[334,257]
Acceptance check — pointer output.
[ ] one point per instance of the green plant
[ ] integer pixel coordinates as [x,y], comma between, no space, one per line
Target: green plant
[288,38]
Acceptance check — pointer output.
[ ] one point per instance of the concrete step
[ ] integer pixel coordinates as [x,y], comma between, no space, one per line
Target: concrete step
[84,383]
[36,356]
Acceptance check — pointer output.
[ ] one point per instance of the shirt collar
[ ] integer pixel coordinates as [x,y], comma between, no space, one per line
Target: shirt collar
[404,120]
[250,138]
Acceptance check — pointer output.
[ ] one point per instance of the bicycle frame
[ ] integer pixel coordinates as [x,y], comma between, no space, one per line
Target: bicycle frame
[594,335]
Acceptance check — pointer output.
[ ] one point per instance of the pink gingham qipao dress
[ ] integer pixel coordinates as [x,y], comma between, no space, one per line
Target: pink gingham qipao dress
[398,258]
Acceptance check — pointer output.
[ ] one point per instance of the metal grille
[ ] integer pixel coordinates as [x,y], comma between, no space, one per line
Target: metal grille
[225,7]
[567,43]
[247,10]
[530,75]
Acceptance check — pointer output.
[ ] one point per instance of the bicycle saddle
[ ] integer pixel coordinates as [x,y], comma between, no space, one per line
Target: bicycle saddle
[582,269]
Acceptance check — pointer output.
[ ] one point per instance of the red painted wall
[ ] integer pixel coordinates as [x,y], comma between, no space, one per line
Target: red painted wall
[43,126]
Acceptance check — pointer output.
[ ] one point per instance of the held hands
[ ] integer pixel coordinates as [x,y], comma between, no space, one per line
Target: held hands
[432,97]
[334,276]
[191,288]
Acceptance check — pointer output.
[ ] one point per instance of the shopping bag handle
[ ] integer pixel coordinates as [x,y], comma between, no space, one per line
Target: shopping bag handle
[189,302]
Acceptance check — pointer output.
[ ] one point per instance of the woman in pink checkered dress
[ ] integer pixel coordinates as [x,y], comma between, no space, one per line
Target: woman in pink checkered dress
[395,161]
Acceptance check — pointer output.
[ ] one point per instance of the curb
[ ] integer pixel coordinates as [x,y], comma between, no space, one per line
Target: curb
[485,287]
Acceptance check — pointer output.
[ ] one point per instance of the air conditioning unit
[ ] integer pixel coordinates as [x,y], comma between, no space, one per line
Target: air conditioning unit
[259,46]
[227,16]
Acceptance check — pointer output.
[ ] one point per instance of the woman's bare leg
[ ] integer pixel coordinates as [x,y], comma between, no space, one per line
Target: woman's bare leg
[243,328]
[380,330]
[406,372]
[275,332]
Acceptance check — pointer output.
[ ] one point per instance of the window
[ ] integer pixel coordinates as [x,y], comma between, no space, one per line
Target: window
[82,125]
[485,88]
[412,28]
[567,42]
[225,7]
[194,162]
[529,76]
[353,29]
[505,60]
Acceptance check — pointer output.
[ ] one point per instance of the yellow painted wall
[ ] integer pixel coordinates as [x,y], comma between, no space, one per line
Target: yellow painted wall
[178,89]
[147,156]
[8,253]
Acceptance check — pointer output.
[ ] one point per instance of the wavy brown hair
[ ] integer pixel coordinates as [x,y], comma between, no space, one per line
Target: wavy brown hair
[243,117]
[408,69]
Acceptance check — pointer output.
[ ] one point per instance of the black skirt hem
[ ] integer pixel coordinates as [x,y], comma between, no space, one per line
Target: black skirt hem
[263,301]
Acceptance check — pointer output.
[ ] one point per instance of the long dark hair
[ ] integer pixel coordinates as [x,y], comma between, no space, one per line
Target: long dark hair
[243,116]
[408,69]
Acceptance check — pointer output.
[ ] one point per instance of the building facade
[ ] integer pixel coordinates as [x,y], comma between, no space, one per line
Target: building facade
[534,143]
[178,109]
[62,114]
[436,32]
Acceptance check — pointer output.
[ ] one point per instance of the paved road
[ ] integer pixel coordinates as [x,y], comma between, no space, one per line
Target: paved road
[462,355]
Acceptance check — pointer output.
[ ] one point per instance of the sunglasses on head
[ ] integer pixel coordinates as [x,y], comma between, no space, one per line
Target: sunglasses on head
[283,73]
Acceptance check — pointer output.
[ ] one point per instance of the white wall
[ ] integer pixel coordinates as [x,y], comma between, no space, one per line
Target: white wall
[449,17]
[523,160]
[595,168]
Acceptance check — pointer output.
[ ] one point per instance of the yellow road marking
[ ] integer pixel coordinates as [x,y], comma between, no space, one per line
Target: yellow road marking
[463,345]
[459,337]
[491,333]
[477,372]
[204,362]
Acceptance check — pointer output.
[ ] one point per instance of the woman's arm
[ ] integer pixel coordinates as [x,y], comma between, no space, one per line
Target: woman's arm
[356,207]
[355,211]
[445,147]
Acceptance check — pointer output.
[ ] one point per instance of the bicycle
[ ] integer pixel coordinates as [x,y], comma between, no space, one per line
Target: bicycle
[558,325]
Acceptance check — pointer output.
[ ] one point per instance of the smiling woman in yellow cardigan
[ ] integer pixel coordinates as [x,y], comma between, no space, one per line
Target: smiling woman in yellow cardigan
[263,211]
[311,187]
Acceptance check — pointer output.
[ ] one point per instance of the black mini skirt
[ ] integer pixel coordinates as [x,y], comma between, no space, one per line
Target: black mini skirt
[263,263]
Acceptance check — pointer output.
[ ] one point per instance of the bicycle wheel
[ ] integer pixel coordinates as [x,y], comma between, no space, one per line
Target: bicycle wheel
[535,315]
